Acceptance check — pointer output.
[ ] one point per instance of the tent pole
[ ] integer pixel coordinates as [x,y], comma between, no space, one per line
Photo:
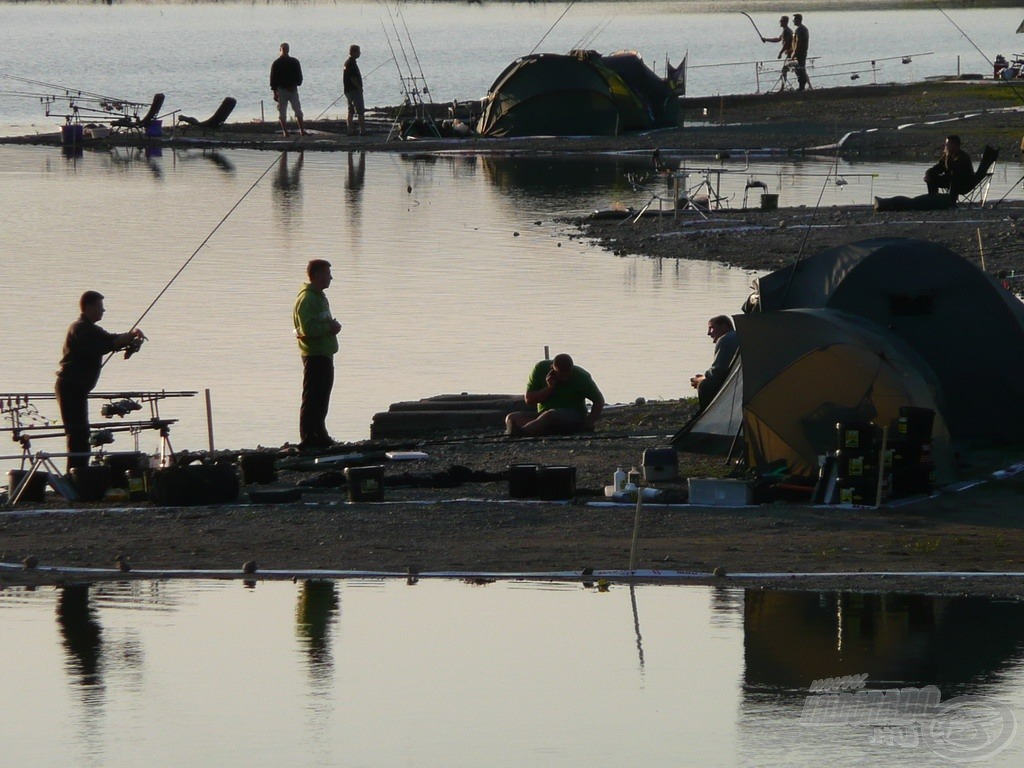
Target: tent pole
[732,446]
[881,466]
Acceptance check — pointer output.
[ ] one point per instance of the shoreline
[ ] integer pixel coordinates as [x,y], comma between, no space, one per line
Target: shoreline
[867,121]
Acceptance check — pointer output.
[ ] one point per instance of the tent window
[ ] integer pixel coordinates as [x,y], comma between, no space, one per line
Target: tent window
[904,305]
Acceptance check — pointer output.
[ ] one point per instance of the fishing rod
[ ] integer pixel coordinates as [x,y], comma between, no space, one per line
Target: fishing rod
[570,5]
[596,30]
[755,25]
[209,236]
[415,55]
[365,77]
[398,66]
[68,92]
[401,47]
[807,231]
[967,37]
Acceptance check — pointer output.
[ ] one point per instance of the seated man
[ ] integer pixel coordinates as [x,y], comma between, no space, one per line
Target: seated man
[954,171]
[727,344]
[560,390]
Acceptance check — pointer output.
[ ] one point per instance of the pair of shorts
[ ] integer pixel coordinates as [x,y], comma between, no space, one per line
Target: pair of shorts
[286,96]
[355,102]
[565,420]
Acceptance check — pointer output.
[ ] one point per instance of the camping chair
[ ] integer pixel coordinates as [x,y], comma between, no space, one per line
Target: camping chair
[213,122]
[134,123]
[978,193]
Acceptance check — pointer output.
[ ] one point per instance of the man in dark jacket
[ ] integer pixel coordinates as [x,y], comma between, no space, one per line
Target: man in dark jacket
[84,347]
[953,172]
[727,344]
[285,79]
[352,85]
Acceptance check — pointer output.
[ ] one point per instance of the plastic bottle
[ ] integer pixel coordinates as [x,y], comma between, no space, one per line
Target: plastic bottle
[633,477]
[619,479]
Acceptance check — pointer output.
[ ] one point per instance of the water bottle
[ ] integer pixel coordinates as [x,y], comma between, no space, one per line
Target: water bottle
[619,479]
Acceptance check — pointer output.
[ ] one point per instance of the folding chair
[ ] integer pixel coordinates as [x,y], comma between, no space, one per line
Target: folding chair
[141,124]
[978,193]
[213,122]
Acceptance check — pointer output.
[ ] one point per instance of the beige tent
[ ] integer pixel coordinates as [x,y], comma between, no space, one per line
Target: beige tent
[805,370]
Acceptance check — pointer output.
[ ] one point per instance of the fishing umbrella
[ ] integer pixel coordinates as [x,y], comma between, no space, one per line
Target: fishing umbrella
[806,370]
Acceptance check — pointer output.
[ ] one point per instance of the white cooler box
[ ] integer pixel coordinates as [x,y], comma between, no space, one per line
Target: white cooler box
[719,493]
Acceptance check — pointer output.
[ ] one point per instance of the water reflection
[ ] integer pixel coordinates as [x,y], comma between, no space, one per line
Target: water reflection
[83,638]
[794,638]
[317,610]
[287,189]
[719,671]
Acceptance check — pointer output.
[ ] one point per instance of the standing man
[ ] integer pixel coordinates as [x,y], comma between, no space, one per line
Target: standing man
[727,344]
[317,333]
[801,41]
[953,172]
[285,79]
[352,84]
[785,37]
[80,363]
[559,389]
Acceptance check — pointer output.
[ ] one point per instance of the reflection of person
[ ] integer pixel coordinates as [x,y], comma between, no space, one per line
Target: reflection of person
[317,333]
[954,171]
[82,358]
[352,85]
[356,177]
[801,41]
[560,390]
[285,79]
[727,344]
[785,37]
[83,635]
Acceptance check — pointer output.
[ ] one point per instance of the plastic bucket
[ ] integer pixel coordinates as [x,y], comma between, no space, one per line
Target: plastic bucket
[120,464]
[257,468]
[365,483]
[90,482]
[155,129]
[769,202]
[556,483]
[36,488]
[71,134]
[522,481]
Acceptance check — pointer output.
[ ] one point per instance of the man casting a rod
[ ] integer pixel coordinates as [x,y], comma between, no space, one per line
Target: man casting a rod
[79,372]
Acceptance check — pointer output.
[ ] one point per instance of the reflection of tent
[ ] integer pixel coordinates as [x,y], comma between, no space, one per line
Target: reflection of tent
[791,639]
[579,94]
[965,326]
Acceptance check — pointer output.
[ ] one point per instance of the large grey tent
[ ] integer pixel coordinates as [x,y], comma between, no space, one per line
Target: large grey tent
[958,319]
[578,94]
[805,370]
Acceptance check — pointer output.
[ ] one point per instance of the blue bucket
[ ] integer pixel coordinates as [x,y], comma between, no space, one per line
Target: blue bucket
[155,129]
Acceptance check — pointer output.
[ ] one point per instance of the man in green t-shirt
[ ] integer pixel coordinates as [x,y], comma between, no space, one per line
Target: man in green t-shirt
[560,390]
[317,331]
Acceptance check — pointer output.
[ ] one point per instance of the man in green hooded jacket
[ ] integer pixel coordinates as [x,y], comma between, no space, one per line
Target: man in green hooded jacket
[317,333]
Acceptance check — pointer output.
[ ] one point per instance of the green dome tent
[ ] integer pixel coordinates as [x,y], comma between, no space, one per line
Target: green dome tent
[958,319]
[580,94]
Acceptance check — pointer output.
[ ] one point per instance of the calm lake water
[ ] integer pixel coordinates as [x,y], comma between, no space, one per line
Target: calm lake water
[453,273]
[378,673]
[198,53]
